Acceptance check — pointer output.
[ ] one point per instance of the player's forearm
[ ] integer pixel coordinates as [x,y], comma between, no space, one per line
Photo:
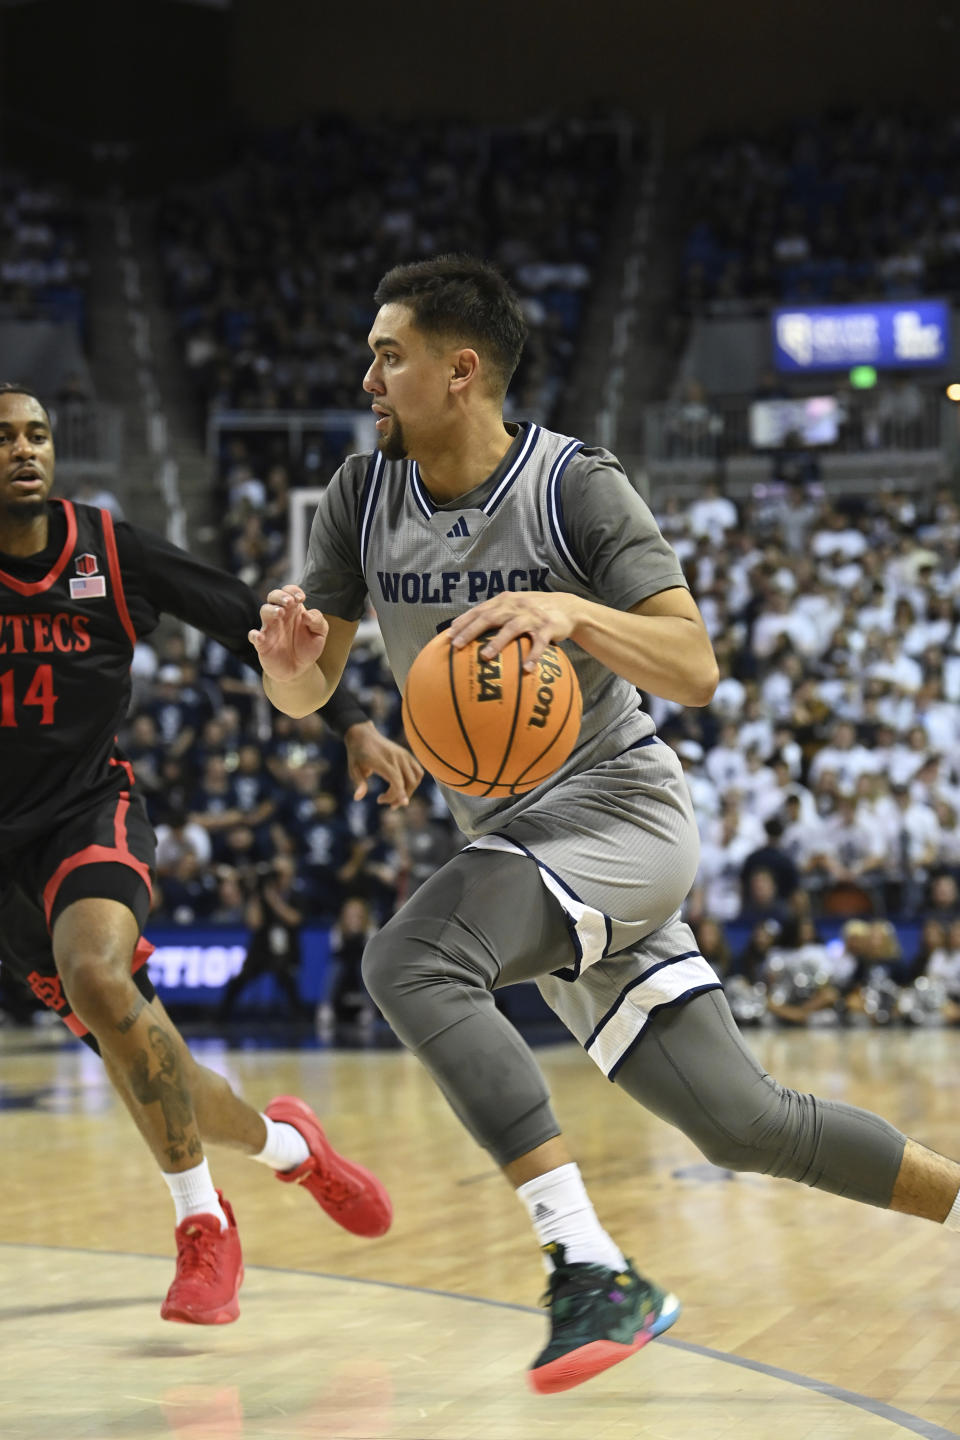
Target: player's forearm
[667,655]
[299,697]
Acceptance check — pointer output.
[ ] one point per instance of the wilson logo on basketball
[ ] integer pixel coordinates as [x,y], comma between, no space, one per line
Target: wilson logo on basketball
[550,673]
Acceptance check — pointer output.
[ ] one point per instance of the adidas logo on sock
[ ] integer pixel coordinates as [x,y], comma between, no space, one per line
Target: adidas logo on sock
[541,1211]
[459,530]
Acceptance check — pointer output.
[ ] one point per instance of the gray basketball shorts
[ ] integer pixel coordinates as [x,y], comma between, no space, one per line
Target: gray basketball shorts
[618,848]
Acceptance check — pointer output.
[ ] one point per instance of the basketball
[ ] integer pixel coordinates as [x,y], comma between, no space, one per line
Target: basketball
[489,727]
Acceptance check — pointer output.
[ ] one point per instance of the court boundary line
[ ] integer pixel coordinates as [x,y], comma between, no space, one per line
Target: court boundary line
[915,1424]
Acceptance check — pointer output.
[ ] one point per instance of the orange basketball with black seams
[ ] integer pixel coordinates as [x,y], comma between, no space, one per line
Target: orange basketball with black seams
[488,727]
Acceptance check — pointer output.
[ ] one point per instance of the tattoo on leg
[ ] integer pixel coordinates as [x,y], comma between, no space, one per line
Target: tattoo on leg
[131,1019]
[168,1087]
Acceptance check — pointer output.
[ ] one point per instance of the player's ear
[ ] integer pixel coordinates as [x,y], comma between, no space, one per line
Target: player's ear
[464,369]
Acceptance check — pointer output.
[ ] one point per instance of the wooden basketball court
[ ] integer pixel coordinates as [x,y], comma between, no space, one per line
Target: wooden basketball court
[806,1317]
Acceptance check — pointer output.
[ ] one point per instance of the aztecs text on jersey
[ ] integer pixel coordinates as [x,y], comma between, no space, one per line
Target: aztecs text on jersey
[66,642]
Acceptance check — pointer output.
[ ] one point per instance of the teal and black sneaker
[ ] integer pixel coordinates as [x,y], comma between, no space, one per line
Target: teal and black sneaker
[597,1318]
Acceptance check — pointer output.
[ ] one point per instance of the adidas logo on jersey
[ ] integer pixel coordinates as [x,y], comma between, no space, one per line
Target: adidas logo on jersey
[541,1211]
[459,530]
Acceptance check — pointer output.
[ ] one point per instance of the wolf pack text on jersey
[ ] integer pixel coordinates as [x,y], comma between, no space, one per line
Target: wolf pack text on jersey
[429,588]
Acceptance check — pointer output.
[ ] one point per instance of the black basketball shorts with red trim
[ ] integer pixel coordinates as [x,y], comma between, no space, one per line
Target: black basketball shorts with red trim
[105,853]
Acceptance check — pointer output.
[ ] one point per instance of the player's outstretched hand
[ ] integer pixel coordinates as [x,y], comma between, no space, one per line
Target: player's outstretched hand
[370,753]
[544,616]
[291,638]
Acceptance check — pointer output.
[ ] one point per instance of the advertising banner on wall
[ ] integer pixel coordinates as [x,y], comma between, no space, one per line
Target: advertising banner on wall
[889,335]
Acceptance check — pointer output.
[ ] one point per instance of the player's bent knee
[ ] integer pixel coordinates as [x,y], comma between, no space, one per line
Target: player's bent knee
[767,1139]
[410,956]
[393,966]
[745,1130]
[97,986]
[729,1153]
[378,970]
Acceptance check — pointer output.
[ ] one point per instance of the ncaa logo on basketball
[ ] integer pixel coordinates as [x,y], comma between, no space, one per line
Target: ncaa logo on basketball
[489,676]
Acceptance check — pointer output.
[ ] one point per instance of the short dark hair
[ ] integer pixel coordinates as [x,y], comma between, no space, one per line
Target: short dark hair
[11,387]
[459,296]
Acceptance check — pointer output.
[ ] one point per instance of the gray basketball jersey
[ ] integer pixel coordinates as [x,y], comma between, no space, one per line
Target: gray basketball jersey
[422,564]
[612,832]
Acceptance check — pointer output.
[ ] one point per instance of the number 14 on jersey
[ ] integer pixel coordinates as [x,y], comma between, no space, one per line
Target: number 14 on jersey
[39,692]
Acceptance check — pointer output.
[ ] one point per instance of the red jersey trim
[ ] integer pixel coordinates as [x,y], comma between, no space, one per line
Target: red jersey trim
[123,765]
[117,854]
[116,579]
[37,587]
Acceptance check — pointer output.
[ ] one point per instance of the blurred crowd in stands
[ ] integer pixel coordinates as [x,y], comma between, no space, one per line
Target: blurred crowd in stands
[826,772]
[43,251]
[841,208]
[271,269]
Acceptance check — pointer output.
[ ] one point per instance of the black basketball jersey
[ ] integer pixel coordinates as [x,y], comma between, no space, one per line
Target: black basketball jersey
[69,619]
[66,642]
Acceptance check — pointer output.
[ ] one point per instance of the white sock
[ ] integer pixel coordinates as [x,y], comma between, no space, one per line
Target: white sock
[194,1194]
[285,1147]
[952,1221]
[561,1211]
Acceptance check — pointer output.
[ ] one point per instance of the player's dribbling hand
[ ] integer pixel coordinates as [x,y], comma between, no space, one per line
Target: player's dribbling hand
[544,617]
[291,638]
[370,753]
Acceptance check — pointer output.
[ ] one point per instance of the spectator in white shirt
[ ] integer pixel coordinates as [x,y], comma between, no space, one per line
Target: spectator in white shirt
[843,755]
[730,695]
[779,683]
[755,728]
[907,756]
[703,792]
[180,837]
[716,891]
[910,843]
[726,763]
[856,852]
[938,717]
[742,824]
[877,614]
[759,790]
[712,514]
[901,670]
[948,848]
[837,538]
[803,833]
[876,806]
[779,618]
[932,629]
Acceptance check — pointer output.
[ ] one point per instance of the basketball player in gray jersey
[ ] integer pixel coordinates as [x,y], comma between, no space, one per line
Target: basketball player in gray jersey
[461,520]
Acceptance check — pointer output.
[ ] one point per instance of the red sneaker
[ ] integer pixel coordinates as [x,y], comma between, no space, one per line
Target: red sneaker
[349,1193]
[209,1271]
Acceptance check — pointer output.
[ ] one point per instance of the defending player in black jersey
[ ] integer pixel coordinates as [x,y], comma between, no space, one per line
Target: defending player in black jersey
[77,849]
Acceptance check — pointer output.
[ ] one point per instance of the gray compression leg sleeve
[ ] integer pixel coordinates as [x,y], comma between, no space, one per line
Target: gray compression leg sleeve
[484,918]
[692,1068]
